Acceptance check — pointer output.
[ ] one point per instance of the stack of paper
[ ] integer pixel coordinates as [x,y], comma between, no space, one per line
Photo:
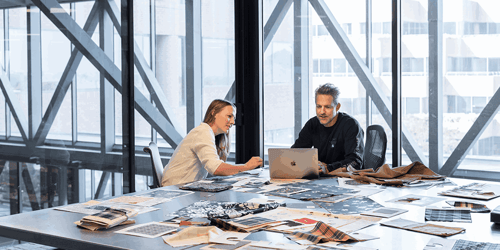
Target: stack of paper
[107,219]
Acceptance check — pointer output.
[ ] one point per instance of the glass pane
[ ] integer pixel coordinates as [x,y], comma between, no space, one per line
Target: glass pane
[415,43]
[470,80]
[56,51]
[278,82]
[170,60]
[88,85]
[218,53]
[18,60]
[382,70]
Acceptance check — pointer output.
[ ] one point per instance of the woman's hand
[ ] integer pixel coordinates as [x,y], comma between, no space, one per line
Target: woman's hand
[254,162]
[322,168]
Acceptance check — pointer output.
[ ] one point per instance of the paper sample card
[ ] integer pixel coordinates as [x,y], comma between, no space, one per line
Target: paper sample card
[449,244]
[426,228]
[385,212]
[481,191]
[417,200]
[149,230]
[130,199]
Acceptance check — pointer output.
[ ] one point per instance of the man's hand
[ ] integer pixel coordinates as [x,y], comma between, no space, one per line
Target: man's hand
[322,168]
[254,162]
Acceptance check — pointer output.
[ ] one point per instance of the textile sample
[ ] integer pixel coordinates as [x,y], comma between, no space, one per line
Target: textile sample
[426,228]
[474,207]
[448,214]
[323,233]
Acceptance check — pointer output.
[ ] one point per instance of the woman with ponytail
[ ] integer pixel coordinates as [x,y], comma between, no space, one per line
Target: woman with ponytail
[205,149]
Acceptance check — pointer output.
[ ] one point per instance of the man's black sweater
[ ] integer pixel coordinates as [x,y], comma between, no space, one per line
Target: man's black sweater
[338,146]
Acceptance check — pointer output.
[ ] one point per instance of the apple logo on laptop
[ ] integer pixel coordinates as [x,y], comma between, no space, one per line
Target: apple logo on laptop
[293,163]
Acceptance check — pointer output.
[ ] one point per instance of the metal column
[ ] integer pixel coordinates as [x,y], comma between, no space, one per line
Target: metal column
[396,83]
[436,69]
[301,63]
[249,79]
[193,64]
[128,122]
[368,33]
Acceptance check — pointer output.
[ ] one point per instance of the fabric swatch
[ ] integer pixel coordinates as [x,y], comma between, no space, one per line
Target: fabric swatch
[207,187]
[354,205]
[323,233]
[474,207]
[448,214]
[223,210]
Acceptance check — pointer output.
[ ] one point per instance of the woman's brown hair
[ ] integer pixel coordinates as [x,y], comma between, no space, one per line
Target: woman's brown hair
[222,141]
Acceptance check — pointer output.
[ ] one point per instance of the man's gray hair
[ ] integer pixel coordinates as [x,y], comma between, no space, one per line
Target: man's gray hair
[328,89]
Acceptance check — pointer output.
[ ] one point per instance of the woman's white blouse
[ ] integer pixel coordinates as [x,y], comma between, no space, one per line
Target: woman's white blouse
[194,157]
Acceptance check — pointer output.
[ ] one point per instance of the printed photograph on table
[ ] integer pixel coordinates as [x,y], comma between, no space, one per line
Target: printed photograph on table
[162,193]
[286,191]
[309,195]
[474,207]
[355,205]
[417,200]
[149,230]
[224,210]
[481,191]
[327,189]
[385,212]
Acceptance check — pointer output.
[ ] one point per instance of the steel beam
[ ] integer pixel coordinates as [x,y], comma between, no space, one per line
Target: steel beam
[301,63]
[365,76]
[103,182]
[436,70]
[14,106]
[193,64]
[102,62]
[107,92]
[65,81]
[34,70]
[30,189]
[14,190]
[275,20]
[471,137]
[157,121]
[270,29]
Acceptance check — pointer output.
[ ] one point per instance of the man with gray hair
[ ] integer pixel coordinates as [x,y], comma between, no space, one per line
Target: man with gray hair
[337,135]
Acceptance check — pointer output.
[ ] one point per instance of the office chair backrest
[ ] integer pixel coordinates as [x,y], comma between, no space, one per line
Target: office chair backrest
[156,162]
[375,147]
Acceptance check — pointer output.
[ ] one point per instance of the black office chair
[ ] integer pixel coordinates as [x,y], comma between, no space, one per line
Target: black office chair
[375,147]
[157,164]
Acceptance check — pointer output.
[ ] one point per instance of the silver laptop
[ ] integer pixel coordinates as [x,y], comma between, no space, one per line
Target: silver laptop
[293,163]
